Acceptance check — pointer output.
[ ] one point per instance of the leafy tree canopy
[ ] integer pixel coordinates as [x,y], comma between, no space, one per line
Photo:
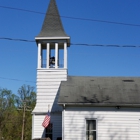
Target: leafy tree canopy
[11,112]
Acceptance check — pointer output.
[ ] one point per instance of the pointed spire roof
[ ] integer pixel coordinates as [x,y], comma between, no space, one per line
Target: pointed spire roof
[52,26]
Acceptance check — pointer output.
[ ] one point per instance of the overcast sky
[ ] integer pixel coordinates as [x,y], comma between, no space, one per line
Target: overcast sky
[19,59]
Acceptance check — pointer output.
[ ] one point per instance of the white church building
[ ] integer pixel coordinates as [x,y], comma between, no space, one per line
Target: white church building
[81,108]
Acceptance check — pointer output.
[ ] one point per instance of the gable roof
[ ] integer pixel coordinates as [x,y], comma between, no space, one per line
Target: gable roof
[100,91]
[52,25]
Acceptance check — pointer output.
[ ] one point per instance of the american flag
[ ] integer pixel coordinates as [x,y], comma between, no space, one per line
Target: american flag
[46,120]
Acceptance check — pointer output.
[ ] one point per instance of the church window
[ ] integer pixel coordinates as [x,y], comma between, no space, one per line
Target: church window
[49,131]
[91,130]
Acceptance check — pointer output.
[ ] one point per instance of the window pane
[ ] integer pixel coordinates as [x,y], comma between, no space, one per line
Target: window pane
[91,125]
[49,128]
[49,131]
[91,135]
[49,136]
[87,125]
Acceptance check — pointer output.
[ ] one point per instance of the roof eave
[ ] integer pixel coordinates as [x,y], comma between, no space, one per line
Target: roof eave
[101,104]
[38,39]
[48,38]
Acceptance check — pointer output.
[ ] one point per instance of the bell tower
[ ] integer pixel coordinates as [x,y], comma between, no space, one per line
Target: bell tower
[52,43]
[52,38]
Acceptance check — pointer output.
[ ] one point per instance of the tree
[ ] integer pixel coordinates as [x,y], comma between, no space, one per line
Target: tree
[10,118]
[7,112]
[27,100]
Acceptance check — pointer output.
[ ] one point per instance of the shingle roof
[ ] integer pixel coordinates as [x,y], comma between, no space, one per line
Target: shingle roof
[100,91]
[52,26]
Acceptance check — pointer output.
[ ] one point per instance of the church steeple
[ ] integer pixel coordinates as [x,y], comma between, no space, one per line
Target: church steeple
[52,26]
[52,38]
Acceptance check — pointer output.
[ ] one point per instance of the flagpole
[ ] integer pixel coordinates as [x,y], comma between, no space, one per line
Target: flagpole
[49,107]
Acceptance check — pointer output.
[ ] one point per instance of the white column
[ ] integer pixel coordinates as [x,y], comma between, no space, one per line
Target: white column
[48,55]
[63,123]
[39,55]
[65,55]
[56,55]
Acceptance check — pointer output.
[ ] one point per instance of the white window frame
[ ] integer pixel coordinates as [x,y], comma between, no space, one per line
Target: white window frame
[86,128]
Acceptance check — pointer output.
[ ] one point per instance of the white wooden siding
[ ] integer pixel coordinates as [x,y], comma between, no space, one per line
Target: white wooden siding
[48,82]
[39,131]
[112,124]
